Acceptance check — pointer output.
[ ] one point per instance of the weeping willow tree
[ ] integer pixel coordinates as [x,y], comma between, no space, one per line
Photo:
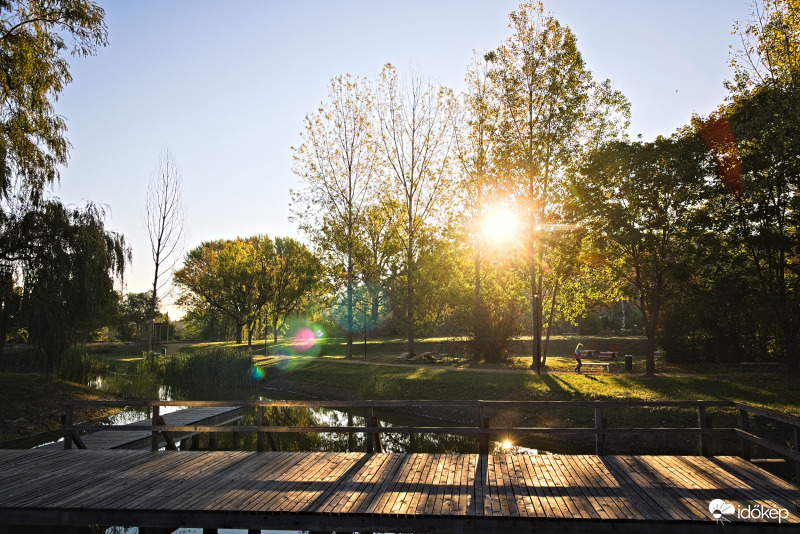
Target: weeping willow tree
[64,262]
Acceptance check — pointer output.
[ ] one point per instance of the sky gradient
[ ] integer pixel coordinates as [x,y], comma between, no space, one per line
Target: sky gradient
[225,85]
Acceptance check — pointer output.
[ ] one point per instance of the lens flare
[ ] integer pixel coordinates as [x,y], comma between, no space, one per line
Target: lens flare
[257,373]
[304,339]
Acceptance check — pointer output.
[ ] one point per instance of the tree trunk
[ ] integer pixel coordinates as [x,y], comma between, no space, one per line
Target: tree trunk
[151,328]
[550,323]
[477,315]
[349,353]
[410,285]
[239,328]
[275,332]
[651,327]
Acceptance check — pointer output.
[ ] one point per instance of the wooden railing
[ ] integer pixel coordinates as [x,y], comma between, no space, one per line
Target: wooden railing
[482,429]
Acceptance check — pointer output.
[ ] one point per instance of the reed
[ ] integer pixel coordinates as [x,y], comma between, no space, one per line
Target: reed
[217,367]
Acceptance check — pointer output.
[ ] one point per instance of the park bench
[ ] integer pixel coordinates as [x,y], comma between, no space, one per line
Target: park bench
[587,354]
[435,355]
[596,365]
[607,355]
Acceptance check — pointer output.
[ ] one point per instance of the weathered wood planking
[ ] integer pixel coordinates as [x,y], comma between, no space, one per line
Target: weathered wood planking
[377,491]
[139,439]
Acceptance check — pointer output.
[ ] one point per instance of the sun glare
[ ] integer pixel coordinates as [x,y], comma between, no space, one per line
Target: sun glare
[499,225]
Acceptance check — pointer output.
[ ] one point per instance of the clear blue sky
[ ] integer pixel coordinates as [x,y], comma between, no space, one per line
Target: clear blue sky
[226,86]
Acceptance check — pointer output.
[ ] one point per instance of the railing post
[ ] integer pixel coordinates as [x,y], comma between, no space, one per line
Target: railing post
[350,440]
[377,436]
[260,422]
[796,446]
[67,423]
[599,436]
[483,436]
[702,445]
[367,434]
[154,435]
[744,424]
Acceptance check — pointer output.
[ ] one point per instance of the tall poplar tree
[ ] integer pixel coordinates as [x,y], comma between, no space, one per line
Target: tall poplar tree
[337,162]
[550,112]
[417,135]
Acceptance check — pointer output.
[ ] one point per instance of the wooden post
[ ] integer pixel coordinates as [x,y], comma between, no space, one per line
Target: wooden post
[378,444]
[167,437]
[185,444]
[68,422]
[702,445]
[368,436]
[196,442]
[350,440]
[796,446]
[744,424]
[260,422]
[154,435]
[598,428]
[212,441]
[235,439]
[483,436]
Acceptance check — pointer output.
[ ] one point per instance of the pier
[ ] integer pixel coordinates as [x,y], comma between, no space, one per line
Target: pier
[399,492]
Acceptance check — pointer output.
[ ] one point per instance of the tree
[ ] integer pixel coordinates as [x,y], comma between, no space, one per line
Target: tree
[164,220]
[642,202]
[758,167]
[337,162]
[475,151]
[233,277]
[67,262]
[295,274]
[132,309]
[551,111]
[32,43]
[416,136]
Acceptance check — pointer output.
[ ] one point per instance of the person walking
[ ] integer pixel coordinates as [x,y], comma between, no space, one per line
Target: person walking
[578,357]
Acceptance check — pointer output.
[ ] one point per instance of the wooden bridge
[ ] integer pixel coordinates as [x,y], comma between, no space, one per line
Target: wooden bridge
[361,491]
[143,439]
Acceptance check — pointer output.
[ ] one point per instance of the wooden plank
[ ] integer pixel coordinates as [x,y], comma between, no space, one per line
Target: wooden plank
[357,487]
[603,478]
[631,485]
[575,487]
[393,494]
[656,488]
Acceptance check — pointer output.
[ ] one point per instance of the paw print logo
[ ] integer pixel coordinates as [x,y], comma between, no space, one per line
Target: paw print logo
[719,509]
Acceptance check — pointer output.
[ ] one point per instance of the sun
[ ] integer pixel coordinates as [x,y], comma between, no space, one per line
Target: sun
[499,225]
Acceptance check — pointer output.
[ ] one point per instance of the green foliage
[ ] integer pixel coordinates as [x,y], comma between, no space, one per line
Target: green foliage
[232,277]
[131,309]
[294,277]
[66,260]
[643,202]
[32,43]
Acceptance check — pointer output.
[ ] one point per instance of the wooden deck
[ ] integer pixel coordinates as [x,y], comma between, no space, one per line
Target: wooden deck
[385,492]
[141,439]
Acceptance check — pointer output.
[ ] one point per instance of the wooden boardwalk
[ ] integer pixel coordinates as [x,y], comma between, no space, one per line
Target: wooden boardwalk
[141,439]
[386,492]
